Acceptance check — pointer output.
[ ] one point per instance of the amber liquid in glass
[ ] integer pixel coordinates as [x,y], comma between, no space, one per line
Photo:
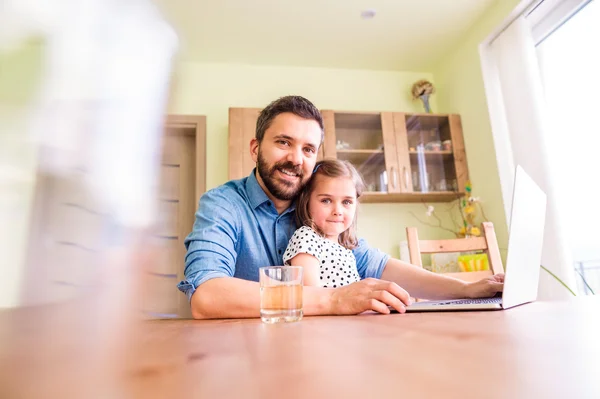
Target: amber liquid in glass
[281,303]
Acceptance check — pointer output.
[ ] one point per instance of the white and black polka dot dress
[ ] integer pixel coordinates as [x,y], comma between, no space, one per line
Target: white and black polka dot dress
[337,265]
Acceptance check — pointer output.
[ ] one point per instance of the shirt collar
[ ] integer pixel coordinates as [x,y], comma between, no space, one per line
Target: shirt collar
[257,196]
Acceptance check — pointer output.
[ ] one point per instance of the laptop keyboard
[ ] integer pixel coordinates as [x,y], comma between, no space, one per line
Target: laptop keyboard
[477,301]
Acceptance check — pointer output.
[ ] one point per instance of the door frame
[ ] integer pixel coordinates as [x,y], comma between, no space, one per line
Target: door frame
[198,124]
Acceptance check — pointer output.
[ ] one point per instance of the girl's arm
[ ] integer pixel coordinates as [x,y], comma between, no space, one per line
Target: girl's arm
[311,268]
[421,283]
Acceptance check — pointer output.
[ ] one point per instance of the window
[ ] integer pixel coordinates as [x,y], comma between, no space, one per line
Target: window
[566,33]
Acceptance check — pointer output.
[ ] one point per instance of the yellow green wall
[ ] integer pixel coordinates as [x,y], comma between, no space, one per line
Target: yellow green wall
[210,89]
[20,72]
[460,89]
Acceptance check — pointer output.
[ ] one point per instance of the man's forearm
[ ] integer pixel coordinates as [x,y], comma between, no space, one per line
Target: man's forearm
[230,297]
[421,283]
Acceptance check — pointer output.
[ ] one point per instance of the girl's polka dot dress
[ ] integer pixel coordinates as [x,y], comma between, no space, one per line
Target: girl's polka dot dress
[337,264]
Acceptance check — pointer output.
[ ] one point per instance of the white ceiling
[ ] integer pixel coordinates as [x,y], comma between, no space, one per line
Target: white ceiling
[408,35]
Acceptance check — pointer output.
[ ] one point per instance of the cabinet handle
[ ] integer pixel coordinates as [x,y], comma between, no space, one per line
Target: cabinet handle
[405,177]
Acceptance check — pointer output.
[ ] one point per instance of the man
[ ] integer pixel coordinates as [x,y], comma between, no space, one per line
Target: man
[246,224]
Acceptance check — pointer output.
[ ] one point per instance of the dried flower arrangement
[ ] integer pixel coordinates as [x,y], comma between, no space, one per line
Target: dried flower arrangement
[470,210]
[423,89]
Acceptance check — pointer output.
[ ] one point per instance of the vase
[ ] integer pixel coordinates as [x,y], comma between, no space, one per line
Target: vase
[425,99]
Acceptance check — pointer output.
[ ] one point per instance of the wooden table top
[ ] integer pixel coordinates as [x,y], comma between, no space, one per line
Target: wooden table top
[539,350]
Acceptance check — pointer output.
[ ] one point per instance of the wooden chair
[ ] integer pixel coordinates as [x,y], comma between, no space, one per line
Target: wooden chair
[487,243]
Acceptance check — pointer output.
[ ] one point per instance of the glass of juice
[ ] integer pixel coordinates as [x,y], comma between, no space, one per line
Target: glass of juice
[280,294]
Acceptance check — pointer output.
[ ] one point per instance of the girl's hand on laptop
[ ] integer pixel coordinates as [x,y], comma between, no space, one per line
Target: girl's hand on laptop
[486,287]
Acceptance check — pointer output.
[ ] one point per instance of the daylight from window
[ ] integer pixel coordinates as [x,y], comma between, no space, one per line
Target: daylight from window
[570,67]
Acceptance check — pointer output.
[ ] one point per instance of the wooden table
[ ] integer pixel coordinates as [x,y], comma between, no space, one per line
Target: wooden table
[539,350]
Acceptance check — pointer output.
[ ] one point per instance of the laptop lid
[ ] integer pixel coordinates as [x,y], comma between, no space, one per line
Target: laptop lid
[526,236]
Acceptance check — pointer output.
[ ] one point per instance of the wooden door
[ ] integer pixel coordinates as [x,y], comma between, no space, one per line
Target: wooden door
[75,244]
[328,150]
[242,129]
[403,156]
[182,182]
[460,156]
[68,240]
[390,152]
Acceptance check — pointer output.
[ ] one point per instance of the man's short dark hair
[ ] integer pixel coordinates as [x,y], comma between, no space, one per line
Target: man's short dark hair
[297,105]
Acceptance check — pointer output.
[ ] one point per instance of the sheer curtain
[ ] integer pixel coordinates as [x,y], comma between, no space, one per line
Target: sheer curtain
[571,87]
[516,105]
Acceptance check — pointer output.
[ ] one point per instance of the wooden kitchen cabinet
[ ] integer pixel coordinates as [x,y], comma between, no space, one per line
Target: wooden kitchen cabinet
[403,157]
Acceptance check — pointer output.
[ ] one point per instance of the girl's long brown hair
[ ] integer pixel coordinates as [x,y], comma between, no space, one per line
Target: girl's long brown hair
[330,168]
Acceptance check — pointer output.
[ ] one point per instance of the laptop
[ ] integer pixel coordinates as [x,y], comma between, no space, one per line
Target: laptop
[523,258]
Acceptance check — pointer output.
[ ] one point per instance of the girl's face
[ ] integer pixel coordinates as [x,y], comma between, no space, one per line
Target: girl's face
[332,205]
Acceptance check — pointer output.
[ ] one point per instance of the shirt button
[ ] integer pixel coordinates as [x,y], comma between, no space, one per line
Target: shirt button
[280,252]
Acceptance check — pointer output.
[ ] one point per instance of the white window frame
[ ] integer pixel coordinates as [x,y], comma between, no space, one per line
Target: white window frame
[545,16]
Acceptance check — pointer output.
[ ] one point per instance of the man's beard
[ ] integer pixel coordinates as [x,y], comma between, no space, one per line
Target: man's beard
[280,189]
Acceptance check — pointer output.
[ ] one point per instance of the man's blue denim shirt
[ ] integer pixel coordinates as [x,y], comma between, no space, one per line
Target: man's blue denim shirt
[237,230]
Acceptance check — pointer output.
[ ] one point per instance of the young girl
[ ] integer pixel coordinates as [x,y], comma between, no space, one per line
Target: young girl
[326,210]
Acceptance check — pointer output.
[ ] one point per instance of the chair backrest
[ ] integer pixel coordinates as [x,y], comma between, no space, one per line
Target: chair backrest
[487,243]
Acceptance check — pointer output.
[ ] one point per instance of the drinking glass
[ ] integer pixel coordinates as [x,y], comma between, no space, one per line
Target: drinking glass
[280,294]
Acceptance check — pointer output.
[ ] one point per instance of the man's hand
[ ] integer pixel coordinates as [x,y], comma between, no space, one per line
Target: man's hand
[369,294]
[486,287]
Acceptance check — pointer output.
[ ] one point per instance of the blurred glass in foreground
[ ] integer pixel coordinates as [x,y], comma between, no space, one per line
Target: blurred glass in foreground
[83,87]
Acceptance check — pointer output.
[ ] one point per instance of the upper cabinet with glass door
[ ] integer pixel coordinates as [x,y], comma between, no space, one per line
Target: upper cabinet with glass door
[367,141]
[402,157]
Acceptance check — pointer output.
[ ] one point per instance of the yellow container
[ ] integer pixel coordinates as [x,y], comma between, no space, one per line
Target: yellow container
[473,263]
